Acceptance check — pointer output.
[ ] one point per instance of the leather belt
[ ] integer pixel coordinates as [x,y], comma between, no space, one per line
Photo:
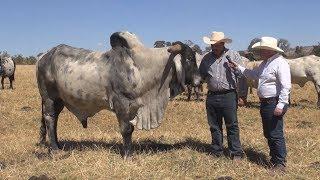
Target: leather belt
[220,92]
[269,100]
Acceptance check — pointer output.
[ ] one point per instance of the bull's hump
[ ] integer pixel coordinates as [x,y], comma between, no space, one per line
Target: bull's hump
[69,51]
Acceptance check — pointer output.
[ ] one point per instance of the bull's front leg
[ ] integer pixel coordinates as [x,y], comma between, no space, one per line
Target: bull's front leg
[196,91]
[126,130]
[189,87]
[11,83]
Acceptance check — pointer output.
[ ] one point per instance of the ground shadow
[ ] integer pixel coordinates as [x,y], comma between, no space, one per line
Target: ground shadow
[144,146]
[153,147]
[303,105]
[257,157]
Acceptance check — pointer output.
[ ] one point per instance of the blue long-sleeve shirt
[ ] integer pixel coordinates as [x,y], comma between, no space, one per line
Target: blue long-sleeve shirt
[216,72]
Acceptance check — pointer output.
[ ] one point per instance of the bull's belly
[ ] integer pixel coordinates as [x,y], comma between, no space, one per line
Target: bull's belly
[84,108]
[84,99]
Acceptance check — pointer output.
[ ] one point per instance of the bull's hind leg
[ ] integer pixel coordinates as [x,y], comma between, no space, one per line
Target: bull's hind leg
[2,82]
[50,113]
[43,129]
[11,82]
[196,91]
[316,82]
[318,92]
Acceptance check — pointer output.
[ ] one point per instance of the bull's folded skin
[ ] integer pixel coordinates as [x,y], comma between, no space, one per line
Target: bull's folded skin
[131,80]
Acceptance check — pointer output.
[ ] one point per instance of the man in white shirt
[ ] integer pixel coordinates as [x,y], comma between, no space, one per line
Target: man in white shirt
[273,91]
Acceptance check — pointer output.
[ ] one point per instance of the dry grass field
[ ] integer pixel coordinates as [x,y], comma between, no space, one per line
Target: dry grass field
[178,149]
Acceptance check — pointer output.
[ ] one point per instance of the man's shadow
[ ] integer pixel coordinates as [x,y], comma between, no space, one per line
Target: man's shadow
[154,147]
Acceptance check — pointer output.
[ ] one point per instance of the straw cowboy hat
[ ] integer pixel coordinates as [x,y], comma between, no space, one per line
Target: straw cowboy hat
[268,43]
[216,37]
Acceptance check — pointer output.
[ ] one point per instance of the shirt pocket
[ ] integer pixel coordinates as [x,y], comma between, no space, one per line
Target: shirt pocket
[268,74]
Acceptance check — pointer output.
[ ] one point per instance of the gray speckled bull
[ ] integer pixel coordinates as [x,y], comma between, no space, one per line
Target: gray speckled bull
[131,80]
[8,67]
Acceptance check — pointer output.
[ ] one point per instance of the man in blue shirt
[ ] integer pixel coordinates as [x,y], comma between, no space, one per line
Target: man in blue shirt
[221,100]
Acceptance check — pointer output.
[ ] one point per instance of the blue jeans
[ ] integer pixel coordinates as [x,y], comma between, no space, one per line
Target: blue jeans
[273,132]
[220,106]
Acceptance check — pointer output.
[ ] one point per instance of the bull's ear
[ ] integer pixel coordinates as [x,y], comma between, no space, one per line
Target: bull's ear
[177,84]
[116,40]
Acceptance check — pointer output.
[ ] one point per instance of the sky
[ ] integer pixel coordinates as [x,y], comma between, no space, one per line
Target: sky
[34,26]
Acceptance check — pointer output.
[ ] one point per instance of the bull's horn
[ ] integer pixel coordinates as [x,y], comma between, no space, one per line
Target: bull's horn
[175,48]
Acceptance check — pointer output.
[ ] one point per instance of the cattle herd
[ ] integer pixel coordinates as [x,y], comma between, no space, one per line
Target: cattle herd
[131,80]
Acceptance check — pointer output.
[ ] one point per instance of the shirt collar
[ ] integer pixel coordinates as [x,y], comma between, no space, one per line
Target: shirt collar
[223,53]
[273,57]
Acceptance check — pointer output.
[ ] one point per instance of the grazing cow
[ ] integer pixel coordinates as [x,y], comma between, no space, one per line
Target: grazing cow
[302,69]
[8,67]
[133,81]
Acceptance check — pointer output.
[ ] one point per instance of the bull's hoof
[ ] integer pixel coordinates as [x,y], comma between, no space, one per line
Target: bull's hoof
[41,144]
[128,158]
[84,124]
[127,155]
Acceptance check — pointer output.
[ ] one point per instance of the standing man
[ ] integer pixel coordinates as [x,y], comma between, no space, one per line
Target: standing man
[221,100]
[273,90]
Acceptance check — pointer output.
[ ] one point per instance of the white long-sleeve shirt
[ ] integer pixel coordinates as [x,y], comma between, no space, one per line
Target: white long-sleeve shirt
[274,79]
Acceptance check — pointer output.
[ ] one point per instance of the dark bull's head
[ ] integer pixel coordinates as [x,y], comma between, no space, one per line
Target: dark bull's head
[192,75]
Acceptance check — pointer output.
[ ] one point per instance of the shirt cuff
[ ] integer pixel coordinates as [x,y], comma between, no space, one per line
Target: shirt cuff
[280,105]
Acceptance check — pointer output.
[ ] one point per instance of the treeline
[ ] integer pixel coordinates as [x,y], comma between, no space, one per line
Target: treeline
[21,60]
[289,52]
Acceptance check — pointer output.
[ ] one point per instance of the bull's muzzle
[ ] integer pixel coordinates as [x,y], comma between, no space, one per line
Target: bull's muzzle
[175,48]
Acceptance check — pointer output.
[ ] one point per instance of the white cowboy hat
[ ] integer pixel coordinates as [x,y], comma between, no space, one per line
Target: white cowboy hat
[268,43]
[216,37]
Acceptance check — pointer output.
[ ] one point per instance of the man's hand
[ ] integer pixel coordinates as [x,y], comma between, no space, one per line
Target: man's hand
[278,112]
[232,64]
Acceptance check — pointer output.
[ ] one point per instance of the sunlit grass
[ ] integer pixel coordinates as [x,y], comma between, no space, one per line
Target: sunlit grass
[178,149]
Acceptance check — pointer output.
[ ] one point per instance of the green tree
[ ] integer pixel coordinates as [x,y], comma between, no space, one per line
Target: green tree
[253,41]
[283,44]
[159,44]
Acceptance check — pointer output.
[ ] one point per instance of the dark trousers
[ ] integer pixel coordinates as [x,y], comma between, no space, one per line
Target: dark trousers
[273,131]
[220,106]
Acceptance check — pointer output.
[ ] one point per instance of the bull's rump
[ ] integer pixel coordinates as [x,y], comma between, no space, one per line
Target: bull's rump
[8,67]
